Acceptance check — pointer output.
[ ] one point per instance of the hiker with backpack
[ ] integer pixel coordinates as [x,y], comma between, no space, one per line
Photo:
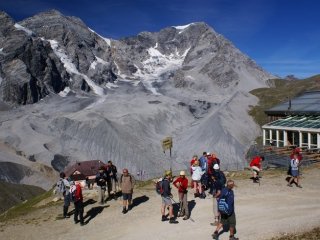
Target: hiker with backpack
[196,177]
[165,191]
[256,167]
[226,210]
[101,180]
[127,182]
[63,189]
[181,183]
[77,199]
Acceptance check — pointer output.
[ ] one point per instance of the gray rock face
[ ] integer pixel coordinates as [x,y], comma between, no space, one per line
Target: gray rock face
[117,99]
[28,67]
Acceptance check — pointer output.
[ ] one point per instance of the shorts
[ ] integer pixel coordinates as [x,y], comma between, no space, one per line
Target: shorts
[127,196]
[166,201]
[294,173]
[229,220]
[256,169]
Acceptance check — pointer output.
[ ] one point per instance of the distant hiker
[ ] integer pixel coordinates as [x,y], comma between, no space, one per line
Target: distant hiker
[219,175]
[226,209]
[194,158]
[182,184]
[203,161]
[212,159]
[127,182]
[88,182]
[112,184]
[256,167]
[294,171]
[166,197]
[77,198]
[196,177]
[63,189]
[101,180]
[216,192]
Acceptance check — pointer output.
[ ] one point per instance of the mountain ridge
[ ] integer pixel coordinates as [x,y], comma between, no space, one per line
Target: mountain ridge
[100,98]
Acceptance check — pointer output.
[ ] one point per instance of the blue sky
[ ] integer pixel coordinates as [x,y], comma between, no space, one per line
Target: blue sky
[282,36]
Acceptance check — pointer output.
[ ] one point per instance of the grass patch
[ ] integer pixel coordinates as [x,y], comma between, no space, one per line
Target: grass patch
[314,234]
[25,207]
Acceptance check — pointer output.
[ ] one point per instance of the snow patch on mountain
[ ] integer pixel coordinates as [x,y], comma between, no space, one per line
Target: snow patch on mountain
[26,30]
[98,60]
[157,64]
[65,92]
[182,27]
[107,40]
[71,68]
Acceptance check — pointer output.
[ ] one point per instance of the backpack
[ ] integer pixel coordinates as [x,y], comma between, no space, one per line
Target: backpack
[222,179]
[73,189]
[159,188]
[121,177]
[223,205]
[61,188]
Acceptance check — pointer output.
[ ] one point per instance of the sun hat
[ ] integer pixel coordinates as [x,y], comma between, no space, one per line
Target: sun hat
[216,167]
[182,173]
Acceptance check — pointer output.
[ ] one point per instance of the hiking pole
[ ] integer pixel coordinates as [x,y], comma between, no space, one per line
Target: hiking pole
[190,218]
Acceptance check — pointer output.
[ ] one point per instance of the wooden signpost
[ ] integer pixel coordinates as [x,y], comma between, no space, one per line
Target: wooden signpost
[167,144]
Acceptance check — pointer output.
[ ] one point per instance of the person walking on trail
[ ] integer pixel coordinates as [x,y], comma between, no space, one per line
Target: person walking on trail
[227,217]
[76,193]
[127,182]
[63,189]
[203,162]
[216,192]
[101,180]
[166,198]
[182,184]
[112,184]
[295,171]
[196,177]
[256,167]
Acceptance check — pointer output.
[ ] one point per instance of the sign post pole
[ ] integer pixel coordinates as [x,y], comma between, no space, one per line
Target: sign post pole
[167,144]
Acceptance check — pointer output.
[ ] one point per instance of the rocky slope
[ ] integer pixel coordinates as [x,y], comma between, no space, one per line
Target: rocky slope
[117,99]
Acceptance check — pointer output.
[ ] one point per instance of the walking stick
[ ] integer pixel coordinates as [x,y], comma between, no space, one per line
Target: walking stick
[190,218]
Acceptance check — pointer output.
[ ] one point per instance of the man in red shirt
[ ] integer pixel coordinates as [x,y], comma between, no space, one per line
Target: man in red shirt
[182,184]
[256,166]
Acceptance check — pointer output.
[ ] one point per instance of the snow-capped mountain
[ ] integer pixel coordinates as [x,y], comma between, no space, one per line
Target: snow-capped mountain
[116,99]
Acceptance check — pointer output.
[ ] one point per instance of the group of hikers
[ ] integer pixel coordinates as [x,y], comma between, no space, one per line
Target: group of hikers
[106,180]
[205,176]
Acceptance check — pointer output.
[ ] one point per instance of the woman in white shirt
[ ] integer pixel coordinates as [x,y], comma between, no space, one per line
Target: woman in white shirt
[196,177]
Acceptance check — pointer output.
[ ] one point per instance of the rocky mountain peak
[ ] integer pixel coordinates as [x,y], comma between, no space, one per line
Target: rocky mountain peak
[6,24]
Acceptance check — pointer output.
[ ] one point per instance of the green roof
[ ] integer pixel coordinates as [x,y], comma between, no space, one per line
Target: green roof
[296,122]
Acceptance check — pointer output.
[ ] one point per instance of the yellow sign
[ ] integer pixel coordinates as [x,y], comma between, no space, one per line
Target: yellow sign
[167,143]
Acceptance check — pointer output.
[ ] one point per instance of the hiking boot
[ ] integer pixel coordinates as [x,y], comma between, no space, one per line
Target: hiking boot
[172,220]
[124,211]
[82,224]
[233,238]
[289,185]
[76,221]
[215,235]
[185,218]
[164,218]
[299,186]
[180,215]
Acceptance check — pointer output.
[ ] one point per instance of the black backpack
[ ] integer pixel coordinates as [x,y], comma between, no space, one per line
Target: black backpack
[159,188]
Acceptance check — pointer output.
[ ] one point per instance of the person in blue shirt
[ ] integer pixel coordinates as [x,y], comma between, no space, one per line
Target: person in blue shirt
[230,218]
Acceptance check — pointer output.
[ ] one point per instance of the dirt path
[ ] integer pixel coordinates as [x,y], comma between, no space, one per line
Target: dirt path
[262,212]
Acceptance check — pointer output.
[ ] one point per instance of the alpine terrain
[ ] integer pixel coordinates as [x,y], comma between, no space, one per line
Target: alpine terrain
[68,94]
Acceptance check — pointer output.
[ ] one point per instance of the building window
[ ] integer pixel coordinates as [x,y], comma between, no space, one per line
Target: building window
[314,141]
